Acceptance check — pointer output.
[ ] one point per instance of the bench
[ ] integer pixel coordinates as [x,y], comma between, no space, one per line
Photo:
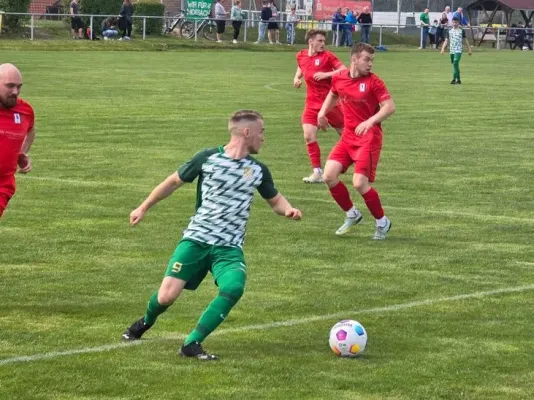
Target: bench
[490,37]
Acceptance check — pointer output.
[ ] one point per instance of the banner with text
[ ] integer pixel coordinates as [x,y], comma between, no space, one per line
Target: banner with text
[198,9]
[323,10]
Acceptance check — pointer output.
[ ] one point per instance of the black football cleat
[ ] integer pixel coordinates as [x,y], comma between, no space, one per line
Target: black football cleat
[453,82]
[135,331]
[194,349]
[458,82]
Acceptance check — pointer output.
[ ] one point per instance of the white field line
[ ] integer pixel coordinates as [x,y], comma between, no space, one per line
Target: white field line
[271,325]
[485,217]
[525,264]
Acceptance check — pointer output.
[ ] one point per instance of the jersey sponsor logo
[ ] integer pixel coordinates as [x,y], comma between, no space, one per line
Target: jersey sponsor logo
[177,267]
[248,173]
[317,62]
[362,87]
[17,118]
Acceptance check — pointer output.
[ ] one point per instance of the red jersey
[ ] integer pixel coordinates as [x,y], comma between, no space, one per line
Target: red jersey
[361,98]
[316,91]
[15,123]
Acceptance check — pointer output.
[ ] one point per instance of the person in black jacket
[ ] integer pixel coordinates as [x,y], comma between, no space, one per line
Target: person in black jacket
[125,21]
[266,15]
[366,21]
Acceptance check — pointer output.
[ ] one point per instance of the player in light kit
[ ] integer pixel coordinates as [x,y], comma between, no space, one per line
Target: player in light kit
[17,132]
[227,178]
[317,66]
[366,103]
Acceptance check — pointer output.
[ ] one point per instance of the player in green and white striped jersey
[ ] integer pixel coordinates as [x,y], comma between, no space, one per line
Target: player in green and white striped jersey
[227,179]
[455,38]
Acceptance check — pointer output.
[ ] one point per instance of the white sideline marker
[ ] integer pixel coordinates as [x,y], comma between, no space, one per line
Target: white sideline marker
[270,325]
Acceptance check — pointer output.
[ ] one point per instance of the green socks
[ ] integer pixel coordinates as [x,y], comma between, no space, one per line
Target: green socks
[154,309]
[231,288]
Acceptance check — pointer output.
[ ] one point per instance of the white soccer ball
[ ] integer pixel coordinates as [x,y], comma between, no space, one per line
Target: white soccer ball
[348,338]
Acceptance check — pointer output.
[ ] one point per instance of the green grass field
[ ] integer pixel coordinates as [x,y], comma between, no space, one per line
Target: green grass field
[447,299]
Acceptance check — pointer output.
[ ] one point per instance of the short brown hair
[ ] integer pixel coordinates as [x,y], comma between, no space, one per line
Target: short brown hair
[312,33]
[361,47]
[245,115]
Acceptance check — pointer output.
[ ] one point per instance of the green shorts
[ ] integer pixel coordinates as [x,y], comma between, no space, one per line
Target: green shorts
[456,57]
[192,260]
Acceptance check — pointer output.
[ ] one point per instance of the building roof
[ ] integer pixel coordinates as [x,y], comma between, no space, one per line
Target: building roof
[510,4]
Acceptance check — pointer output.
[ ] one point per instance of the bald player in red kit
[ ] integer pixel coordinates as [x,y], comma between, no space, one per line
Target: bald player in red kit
[317,66]
[16,132]
[366,103]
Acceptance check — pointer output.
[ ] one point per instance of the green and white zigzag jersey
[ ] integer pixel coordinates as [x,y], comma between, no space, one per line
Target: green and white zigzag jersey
[225,191]
[456,40]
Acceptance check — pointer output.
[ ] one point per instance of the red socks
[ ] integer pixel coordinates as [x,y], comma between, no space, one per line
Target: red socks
[341,195]
[372,201]
[314,152]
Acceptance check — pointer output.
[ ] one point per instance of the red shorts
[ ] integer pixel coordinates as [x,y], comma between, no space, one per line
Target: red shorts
[7,190]
[365,158]
[335,116]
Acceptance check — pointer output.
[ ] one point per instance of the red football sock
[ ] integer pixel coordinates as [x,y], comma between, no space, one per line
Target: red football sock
[314,152]
[341,195]
[372,201]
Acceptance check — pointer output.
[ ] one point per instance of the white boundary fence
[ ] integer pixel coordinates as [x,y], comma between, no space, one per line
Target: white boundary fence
[499,36]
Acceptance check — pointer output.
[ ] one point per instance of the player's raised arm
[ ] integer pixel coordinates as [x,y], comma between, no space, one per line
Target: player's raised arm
[297,80]
[161,191]
[281,206]
[329,103]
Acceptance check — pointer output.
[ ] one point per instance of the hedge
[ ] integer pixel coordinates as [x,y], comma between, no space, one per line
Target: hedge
[154,26]
[13,21]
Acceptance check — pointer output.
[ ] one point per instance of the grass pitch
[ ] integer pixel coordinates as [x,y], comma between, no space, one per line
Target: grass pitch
[455,178]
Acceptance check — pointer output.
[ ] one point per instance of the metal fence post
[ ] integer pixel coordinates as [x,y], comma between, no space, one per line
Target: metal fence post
[91,27]
[196,24]
[31,27]
[245,32]
[380,36]
[144,28]
[498,39]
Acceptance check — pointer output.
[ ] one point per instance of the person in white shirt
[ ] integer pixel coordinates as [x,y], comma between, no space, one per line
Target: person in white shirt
[220,19]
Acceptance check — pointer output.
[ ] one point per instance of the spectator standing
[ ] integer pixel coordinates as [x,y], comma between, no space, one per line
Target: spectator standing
[266,14]
[366,21]
[350,20]
[273,27]
[291,25]
[432,34]
[425,26]
[220,19]
[443,25]
[338,20]
[76,23]
[459,14]
[125,20]
[237,15]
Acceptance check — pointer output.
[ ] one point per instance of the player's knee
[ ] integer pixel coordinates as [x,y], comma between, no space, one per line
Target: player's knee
[232,291]
[166,297]
[331,179]
[310,133]
[361,185]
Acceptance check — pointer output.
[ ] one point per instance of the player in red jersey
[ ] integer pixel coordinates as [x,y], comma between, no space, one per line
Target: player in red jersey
[16,132]
[317,66]
[366,103]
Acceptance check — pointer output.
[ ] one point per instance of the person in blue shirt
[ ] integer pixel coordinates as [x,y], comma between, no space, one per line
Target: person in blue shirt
[350,21]
[338,20]
[461,17]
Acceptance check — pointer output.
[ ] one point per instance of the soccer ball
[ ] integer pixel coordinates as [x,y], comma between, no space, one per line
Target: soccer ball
[348,338]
